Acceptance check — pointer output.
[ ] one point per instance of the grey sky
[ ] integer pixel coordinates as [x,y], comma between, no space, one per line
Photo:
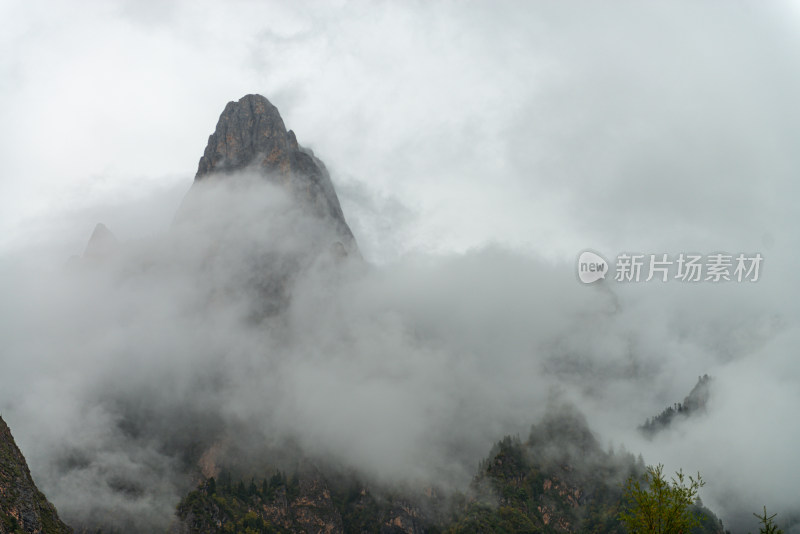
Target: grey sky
[545,126]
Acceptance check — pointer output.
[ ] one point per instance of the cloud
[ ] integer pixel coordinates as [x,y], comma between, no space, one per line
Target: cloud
[230,330]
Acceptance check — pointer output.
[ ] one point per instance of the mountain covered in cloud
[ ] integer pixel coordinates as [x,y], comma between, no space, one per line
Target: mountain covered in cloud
[101,244]
[251,137]
[247,370]
[694,403]
[474,149]
[207,303]
[557,480]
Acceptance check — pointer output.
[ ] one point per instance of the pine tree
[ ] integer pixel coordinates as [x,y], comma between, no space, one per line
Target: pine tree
[768,525]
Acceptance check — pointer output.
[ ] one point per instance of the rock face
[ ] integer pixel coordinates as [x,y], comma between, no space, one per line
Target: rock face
[23,508]
[307,503]
[262,212]
[302,505]
[250,135]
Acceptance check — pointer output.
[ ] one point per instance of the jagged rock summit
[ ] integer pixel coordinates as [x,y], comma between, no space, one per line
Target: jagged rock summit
[251,135]
[23,508]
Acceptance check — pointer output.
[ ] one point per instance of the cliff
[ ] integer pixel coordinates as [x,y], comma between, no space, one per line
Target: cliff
[23,508]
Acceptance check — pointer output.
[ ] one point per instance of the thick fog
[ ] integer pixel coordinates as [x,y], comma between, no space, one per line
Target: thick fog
[476,150]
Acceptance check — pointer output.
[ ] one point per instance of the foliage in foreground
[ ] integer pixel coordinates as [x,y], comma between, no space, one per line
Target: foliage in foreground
[768,525]
[656,505]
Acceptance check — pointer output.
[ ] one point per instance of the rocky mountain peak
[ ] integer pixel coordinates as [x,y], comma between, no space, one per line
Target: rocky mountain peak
[250,135]
[246,129]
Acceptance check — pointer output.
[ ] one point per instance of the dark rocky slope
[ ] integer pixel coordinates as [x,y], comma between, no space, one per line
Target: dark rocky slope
[251,137]
[23,508]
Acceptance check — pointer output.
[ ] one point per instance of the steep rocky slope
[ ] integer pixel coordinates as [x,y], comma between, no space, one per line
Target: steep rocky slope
[250,137]
[23,508]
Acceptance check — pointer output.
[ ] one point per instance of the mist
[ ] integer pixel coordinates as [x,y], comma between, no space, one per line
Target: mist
[127,368]
[476,150]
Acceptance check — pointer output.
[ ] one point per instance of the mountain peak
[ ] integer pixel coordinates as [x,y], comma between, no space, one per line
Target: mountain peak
[247,128]
[101,244]
[251,135]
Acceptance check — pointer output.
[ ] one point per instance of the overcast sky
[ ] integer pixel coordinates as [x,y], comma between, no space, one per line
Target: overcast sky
[545,126]
[538,129]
